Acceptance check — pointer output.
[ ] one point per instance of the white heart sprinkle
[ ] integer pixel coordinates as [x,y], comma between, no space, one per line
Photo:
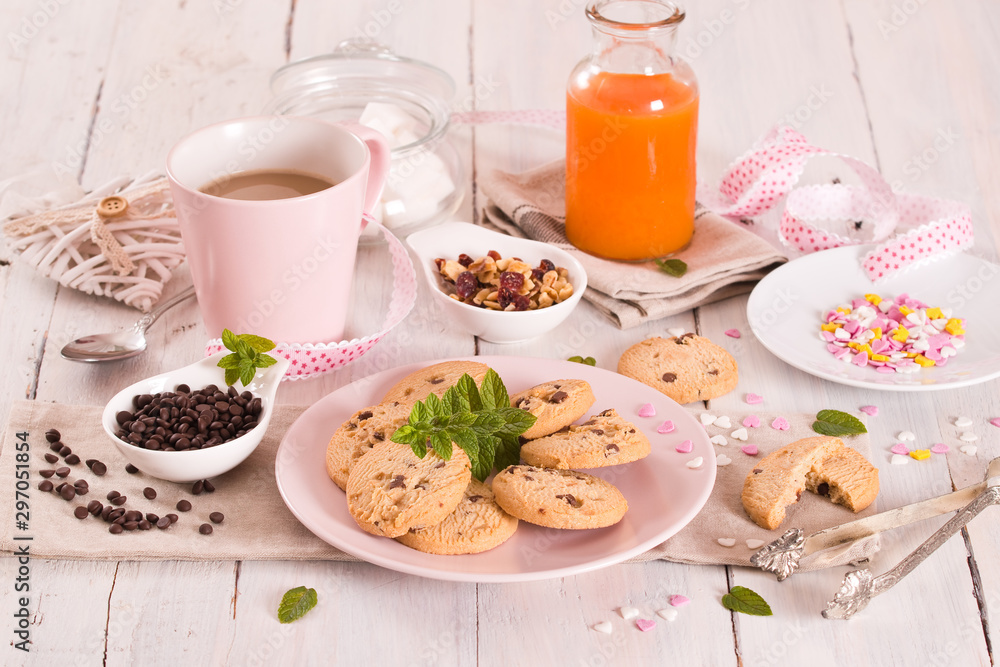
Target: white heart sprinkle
[906,436]
[900,459]
[707,419]
[695,462]
[968,449]
[968,436]
[963,421]
[755,544]
[628,612]
[840,334]
[948,351]
[740,434]
[957,343]
[921,345]
[722,460]
[727,541]
[604,627]
[669,614]
[723,422]
[719,440]
[676,332]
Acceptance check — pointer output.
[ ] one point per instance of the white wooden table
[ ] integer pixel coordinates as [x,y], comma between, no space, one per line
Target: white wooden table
[106,88]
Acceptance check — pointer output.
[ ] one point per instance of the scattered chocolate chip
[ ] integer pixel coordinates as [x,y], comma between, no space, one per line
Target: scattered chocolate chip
[56,446]
[99,468]
[130,525]
[669,377]
[198,487]
[397,482]
[205,529]
[173,517]
[51,458]
[217,517]
[163,522]
[119,500]
[145,525]
[112,495]
[72,459]
[95,507]
[559,397]
[209,487]
[52,435]
[65,451]
[45,485]
[80,512]
[68,492]
[149,492]
[46,473]
[115,529]
[183,505]
[131,469]
[62,472]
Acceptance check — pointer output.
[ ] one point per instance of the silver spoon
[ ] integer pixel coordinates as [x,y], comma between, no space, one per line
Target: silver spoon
[121,344]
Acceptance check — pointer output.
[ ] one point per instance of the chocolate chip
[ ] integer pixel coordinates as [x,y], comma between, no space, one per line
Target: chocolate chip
[529,478]
[45,485]
[183,505]
[112,494]
[559,397]
[173,517]
[209,487]
[757,471]
[823,489]
[52,435]
[798,495]
[713,372]
[669,377]
[65,451]
[80,512]
[522,403]
[397,482]
[115,529]
[72,459]
[68,492]
[378,436]
[119,500]
[131,469]
[152,518]
[149,492]
[145,525]
[437,380]
[198,487]
[205,529]
[99,468]
[62,472]
[597,431]
[475,499]
[217,517]
[46,473]
[51,458]
[610,450]
[367,414]
[541,510]
[439,465]
[163,522]
[130,525]
[570,499]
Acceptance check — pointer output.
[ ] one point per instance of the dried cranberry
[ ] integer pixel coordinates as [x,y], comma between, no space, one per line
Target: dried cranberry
[546,265]
[439,263]
[494,254]
[505,297]
[537,275]
[464,260]
[466,284]
[511,280]
[521,302]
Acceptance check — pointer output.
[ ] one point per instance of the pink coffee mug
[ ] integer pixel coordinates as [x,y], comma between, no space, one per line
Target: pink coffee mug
[279,268]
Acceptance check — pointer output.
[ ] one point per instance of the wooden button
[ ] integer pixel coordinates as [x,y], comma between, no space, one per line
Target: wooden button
[111,207]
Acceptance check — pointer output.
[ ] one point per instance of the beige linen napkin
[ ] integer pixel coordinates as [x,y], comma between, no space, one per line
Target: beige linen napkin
[258,525]
[723,259]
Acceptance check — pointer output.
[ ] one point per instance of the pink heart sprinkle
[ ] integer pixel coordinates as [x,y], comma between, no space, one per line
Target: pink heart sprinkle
[754,399]
[860,359]
[647,410]
[995,421]
[751,421]
[832,349]
[899,448]
[679,600]
[665,427]
[645,624]
[870,410]
[940,448]
[685,447]
[780,424]
[749,450]
[733,333]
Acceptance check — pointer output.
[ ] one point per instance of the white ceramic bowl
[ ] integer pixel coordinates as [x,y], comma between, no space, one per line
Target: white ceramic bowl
[451,239]
[194,464]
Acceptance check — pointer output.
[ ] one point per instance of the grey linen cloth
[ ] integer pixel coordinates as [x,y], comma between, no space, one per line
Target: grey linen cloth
[723,258]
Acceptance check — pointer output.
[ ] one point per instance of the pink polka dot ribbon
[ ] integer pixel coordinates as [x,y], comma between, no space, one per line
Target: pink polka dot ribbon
[311,359]
[907,228]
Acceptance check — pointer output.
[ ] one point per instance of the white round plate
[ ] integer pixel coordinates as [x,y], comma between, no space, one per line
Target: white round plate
[786,308]
[662,492]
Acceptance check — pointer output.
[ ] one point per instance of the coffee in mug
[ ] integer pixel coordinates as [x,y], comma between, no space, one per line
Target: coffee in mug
[267,184]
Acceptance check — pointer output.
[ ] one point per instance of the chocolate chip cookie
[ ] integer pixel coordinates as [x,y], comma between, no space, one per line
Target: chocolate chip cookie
[390,490]
[477,524]
[555,405]
[433,380]
[603,440]
[558,498]
[686,368]
[359,434]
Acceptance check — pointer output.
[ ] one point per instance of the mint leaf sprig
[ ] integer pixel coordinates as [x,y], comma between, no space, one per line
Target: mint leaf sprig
[248,354]
[295,603]
[480,420]
[746,601]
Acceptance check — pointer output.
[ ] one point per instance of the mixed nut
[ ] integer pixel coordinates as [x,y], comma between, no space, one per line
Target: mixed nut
[504,283]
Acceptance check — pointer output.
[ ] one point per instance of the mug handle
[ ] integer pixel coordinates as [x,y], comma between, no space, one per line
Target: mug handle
[378,169]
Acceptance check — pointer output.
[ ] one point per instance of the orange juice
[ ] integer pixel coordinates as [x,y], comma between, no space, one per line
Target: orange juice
[630,164]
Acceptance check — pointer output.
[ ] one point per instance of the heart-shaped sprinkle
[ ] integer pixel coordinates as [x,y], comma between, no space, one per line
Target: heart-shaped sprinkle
[754,399]
[685,447]
[665,427]
[733,333]
[719,440]
[695,463]
[900,460]
[727,541]
[723,422]
[604,627]
[780,424]
[968,436]
[968,449]
[755,544]
[962,422]
[900,448]
[670,614]
[749,450]
[645,624]
[740,434]
[995,421]
[647,410]
[679,600]
[676,332]
[906,436]
[870,410]
[707,419]
[940,448]
[751,421]
[628,612]
[722,460]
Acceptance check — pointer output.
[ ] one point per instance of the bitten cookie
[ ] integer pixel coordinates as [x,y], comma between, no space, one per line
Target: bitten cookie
[359,434]
[604,440]
[686,368]
[558,498]
[554,404]
[477,524]
[780,477]
[433,380]
[390,490]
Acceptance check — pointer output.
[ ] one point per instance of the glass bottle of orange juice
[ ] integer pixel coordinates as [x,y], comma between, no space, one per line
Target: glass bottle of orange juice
[631,125]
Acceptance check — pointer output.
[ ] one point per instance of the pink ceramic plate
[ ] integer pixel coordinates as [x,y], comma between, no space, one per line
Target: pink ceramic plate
[662,492]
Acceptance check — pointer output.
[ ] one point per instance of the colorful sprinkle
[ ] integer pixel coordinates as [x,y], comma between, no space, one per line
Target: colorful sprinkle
[665,427]
[723,422]
[780,424]
[900,460]
[707,419]
[628,612]
[740,434]
[751,421]
[749,450]
[968,436]
[695,463]
[871,410]
[679,601]
[685,447]
[900,448]
[604,627]
[968,449]
[669,614]
[754,399]
[940,448]
[755,544]
[647,410]
[920,454]
[906,436]
[962,422]
[995,421]
[645,624]
[722,460]
[727,541]
[733,333]
[719,440]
